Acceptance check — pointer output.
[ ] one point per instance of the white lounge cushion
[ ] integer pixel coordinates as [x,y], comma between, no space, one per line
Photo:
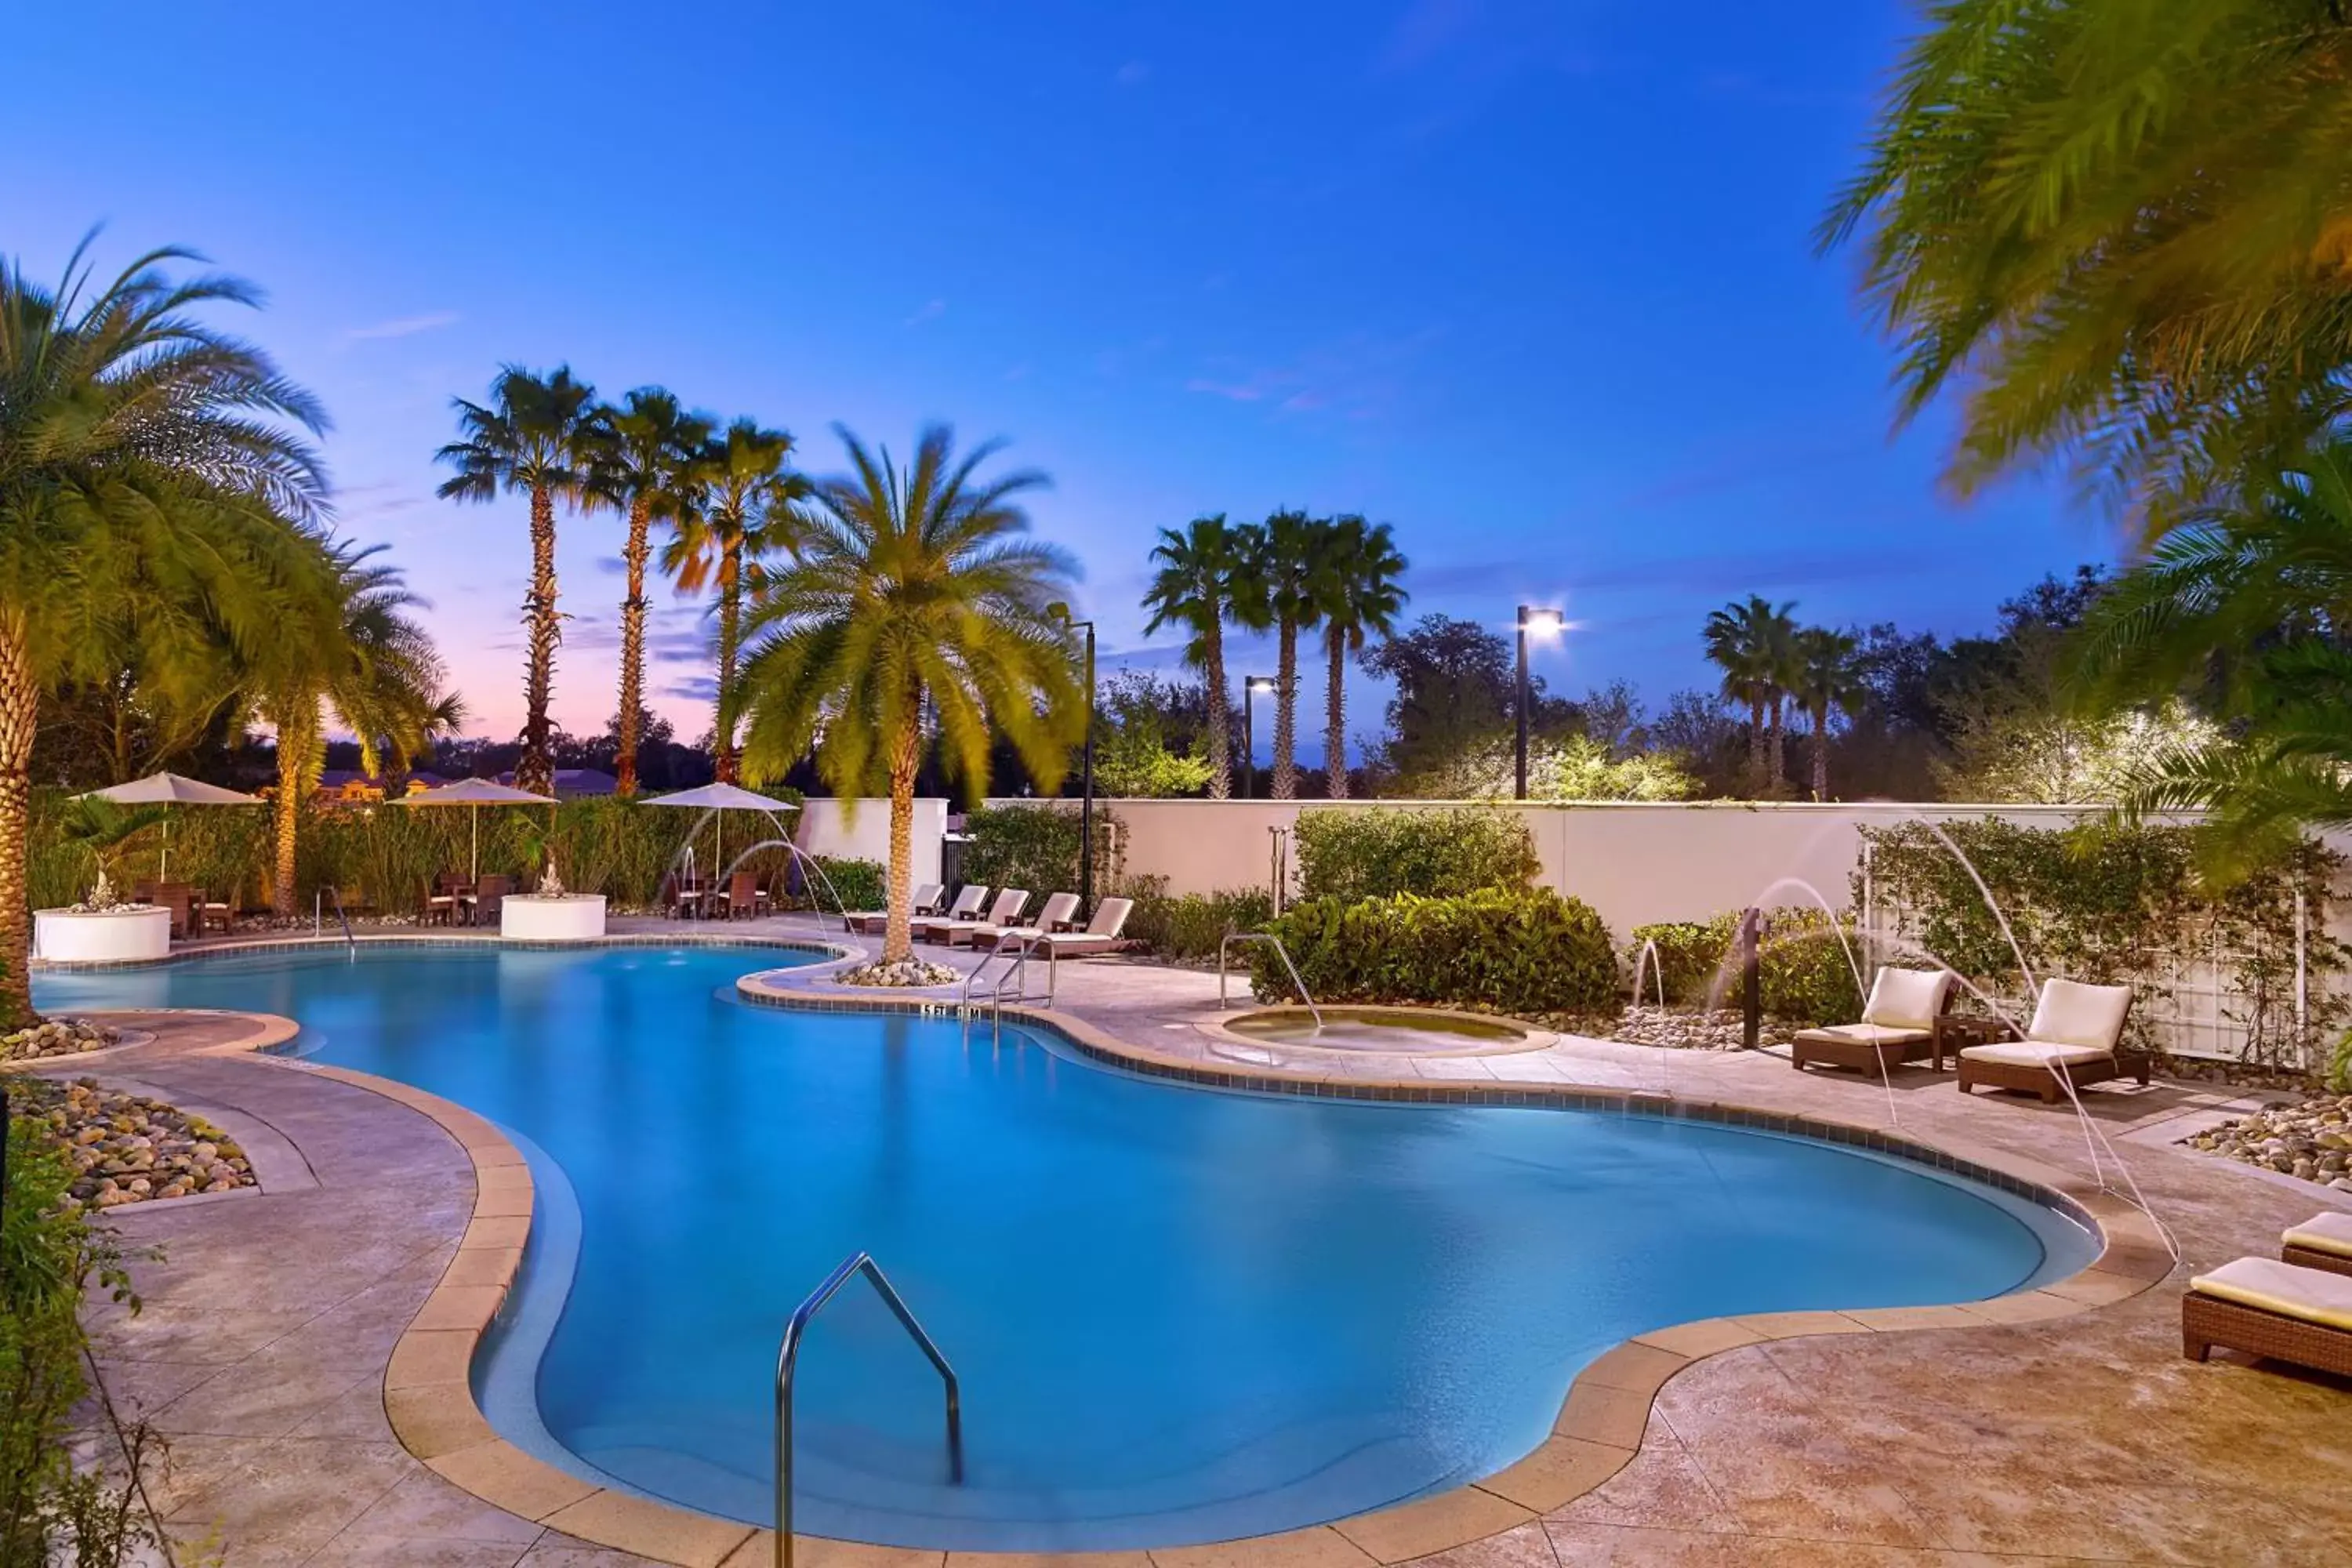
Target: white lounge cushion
[2312,1295]
[2036,1054]
[1906,998]
[2073,1014]
[1869,1033]
[2330,1233]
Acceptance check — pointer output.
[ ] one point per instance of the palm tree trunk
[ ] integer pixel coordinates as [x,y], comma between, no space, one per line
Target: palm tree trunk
[1780,727]
[1335,724]
[20,703]
[1822,752]
[1756,745]
[296,742]
[731,641]
[1221,760]
[899,931]
[536,771]
[633,644]
[1286,713]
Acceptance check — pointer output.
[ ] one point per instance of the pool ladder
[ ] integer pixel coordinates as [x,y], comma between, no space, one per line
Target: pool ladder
[350,943]
[1280,951]
[1015,975]
[788,1356]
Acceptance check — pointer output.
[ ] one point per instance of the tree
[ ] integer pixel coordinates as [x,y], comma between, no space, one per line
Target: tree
[1275,589]
[642,454]
[913,588]
[1453,684]
[365,660]
[2121,229]
[1357,591]
[740,510]
[1750,642]
[1194,588]
[147,466]
[1826,681]
[536,436]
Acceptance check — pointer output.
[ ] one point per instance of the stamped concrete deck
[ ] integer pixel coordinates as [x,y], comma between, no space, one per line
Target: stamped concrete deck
[269,1331]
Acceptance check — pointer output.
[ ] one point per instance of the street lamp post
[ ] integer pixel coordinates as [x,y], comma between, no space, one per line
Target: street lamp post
[1085,770]
[1542,623]
[1251,684]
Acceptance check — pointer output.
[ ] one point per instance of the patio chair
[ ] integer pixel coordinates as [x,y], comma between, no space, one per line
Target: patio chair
[1059,914]
[181,899]
[2267,1307]
[925,904]
[2323,1241]
[488,897]
[669,896]
[1004,911]
[744,895]
[213,914]
[1902,1021]
[2077,1031]
[434,905]
[1100,936]
[966,906]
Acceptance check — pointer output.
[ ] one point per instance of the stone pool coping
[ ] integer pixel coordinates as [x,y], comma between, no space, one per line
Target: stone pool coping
[1527,1036]
[428,1394]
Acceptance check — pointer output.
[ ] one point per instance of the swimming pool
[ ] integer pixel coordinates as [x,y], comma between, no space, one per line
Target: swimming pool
[1178,1314]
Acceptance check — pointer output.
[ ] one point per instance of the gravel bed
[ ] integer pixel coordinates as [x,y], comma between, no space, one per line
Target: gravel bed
[55,1038]
[2312,1140]
[128,1148]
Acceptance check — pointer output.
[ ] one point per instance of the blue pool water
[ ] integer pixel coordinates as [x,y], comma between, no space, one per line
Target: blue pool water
[1178,1314]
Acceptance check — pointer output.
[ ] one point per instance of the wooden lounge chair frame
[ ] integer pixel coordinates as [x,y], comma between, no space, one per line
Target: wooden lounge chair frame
[2124,1061]
[2311,1257]
[2209,1320]
[1872,1056]
[954,934]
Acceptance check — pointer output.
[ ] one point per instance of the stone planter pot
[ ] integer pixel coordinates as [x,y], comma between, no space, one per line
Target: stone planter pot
[532,916]
[121,935]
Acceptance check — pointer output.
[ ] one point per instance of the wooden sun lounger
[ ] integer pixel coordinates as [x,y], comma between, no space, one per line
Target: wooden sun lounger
[1004,911]
[2208,1320]
[924,905]
[1902,1021]
[2060,1049]
[2323,1241]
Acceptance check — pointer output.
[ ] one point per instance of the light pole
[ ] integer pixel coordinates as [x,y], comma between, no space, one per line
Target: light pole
[1250,684]
[1085,770]
[1543,623]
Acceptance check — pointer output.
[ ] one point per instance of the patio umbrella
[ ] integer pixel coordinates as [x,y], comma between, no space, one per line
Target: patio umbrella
[721,798]
[476,794]
[169,789]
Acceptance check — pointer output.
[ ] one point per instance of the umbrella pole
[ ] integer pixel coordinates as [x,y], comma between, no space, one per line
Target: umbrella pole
[165,875]
[473,867]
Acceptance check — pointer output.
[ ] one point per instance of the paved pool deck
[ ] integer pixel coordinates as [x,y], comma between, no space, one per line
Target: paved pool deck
[277,1319]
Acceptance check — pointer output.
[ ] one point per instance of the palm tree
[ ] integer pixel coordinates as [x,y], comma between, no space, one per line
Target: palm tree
[1194,588]
[1748,642]
[642,452]
[369,664]
[2120,230]
[1275,589]
[1825,680]
[536,436]
[147,465]
[740,509]
[912,588]
[1357,590]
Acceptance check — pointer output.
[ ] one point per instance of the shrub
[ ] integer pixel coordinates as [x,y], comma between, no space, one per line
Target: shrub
[1188,926]
[1803,969]
[859,884]
[1036,847]
[1440,854]
[1524,950]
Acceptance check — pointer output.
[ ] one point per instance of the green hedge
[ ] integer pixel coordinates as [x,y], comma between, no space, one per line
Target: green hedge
[1376,853]
[1511,951]
[860,884]
[1036,847]
[1803,969]
[1188,926]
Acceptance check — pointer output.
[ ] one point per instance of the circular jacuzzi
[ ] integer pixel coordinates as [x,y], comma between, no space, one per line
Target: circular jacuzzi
[1387,1031]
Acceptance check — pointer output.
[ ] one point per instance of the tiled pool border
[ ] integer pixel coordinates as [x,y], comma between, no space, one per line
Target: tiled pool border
[428,1394]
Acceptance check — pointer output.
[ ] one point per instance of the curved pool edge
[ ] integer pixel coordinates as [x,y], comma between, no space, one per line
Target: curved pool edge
[428,1392]
[1528,1036]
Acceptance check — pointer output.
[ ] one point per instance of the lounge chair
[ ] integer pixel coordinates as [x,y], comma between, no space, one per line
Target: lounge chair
[1058,915]
[1004,911]
[2323,1241]
[965,908]
[1100,936]
[2267,1307]
[926,903]
[2077,1031]
[1902,1021]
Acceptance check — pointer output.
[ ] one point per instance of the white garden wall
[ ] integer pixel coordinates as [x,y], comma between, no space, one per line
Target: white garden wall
[860,830]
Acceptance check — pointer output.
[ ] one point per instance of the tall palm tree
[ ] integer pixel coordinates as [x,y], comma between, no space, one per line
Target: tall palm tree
[1825,680]
[913,587]
[368,663]
[2119,228]
[1275,589]
[1358,592]
[536,436]
[1748,643]
[741,510]
[643,453]
[147,466]
[1194,588]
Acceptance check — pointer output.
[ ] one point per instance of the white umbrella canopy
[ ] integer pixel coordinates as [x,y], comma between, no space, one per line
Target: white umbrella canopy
[476,794]
[721,797]
[169,789]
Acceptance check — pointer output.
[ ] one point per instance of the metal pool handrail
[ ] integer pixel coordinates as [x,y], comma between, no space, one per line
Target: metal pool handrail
[1280,951]
[788,1355]
[317,900]
[1015,975]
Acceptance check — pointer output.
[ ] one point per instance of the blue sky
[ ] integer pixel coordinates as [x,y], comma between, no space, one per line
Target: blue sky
[1530,279]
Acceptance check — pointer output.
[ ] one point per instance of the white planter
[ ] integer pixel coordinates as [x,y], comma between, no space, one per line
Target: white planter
[102,936]
[574,917]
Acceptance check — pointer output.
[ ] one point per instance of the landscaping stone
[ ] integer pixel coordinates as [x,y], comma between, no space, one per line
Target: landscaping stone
[126,1147]
[55,1038]
[1695,1029]
[2311,1140]
[906,972]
